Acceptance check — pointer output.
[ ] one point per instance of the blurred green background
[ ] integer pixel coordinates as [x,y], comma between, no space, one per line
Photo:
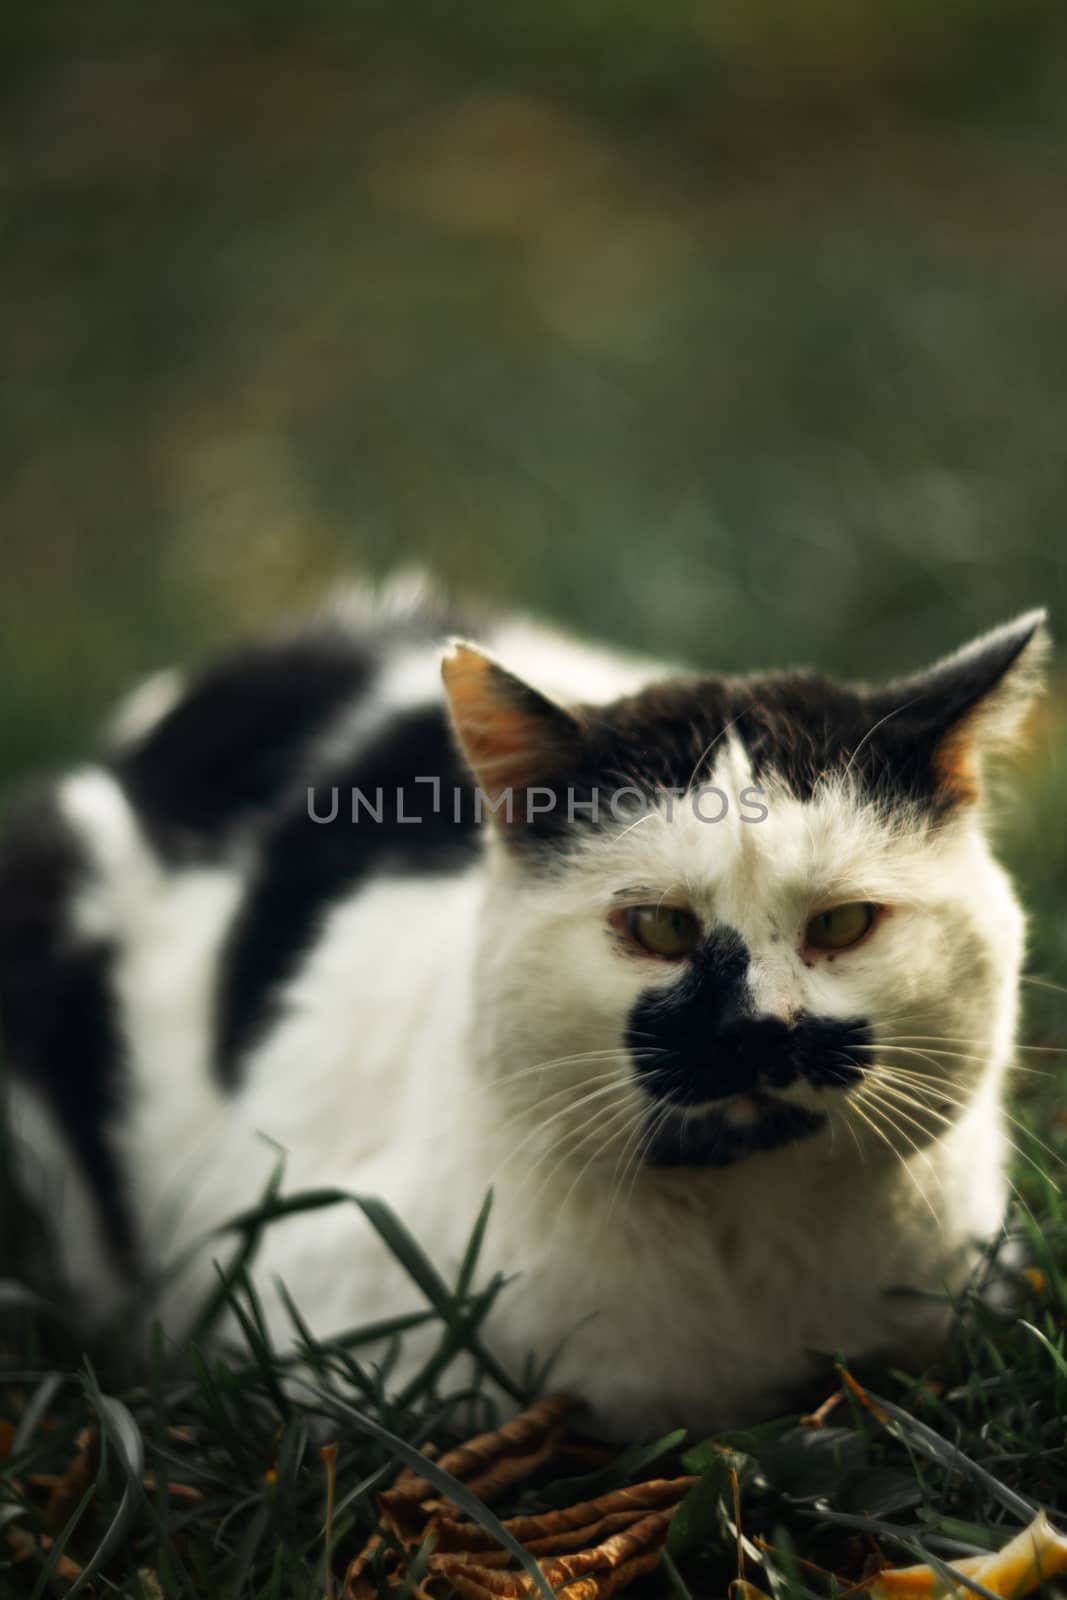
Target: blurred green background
[736,331]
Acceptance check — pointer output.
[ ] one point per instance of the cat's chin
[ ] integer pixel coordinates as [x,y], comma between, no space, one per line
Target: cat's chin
[734,1130]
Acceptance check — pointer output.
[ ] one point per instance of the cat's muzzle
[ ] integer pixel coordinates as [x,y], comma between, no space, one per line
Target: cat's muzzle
[730,1086]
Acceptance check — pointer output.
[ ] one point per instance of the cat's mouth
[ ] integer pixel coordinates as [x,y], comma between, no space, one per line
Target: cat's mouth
[747,1110]
[731,1130]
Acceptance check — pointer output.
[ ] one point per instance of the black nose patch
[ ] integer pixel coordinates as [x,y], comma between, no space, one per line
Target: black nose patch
[701,1039]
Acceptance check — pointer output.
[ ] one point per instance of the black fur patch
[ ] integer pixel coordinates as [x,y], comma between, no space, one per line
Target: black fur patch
[228,749]
[694,1020]
[308,866]
[701,1041]
[57,1013]
[708,1140]
[797,727]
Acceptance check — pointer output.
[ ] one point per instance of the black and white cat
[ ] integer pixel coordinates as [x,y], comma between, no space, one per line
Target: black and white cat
[715,985]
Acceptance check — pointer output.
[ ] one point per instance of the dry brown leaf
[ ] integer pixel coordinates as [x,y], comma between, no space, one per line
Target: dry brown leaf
[487,1464]
[494,1461]
[609,1583]
[23,1545]
[595,1586]
[359,1584]
[177,1491]
[587,1551]
[550,1527]
[615,1551]
[452,1537]
[67,1489]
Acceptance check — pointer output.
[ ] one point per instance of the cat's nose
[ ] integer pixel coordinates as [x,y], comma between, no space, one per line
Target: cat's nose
[735,1011]
[753,1050]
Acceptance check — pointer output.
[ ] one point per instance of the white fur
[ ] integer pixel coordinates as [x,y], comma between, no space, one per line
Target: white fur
[144,707]
[427,1051]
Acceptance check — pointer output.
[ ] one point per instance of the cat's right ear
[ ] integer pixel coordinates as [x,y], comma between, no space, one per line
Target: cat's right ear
[512,735]
[971,704]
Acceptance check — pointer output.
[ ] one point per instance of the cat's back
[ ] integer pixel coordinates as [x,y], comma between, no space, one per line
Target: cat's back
[167,910]
[154,901]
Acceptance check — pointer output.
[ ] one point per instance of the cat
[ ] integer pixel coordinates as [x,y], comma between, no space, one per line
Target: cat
[712,981]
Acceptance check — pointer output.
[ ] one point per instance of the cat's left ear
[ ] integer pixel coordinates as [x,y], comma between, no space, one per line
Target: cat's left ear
[974,702]
[512,735]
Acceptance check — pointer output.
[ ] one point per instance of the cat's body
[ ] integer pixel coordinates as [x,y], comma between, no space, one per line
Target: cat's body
[203,958]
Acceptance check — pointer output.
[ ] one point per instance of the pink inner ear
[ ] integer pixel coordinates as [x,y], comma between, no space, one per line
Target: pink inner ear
[958,759]
[508,746]
[956,763]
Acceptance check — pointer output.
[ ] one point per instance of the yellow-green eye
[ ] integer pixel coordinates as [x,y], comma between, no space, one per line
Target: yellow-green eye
[664,931]
[841,926]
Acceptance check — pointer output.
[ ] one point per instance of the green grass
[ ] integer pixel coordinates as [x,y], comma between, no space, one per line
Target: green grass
[972,1447]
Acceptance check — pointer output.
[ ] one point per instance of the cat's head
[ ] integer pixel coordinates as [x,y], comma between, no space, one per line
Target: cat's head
[726,916]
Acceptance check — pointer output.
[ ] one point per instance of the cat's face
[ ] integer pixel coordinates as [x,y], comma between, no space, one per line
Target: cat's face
[782,926]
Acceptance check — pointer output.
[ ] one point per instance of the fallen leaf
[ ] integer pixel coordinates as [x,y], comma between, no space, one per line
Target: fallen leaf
[587,1551]
[1036,1554]
[68,1488]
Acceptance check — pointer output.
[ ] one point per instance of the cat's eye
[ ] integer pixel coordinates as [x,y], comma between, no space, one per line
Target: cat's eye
[840,927]
[664,931]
